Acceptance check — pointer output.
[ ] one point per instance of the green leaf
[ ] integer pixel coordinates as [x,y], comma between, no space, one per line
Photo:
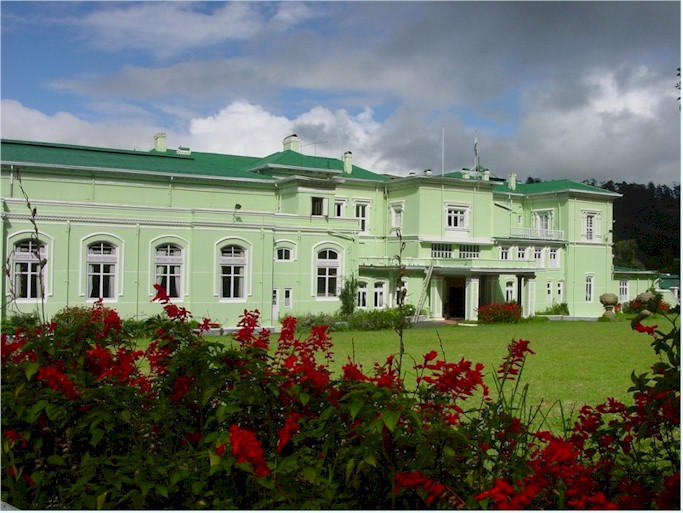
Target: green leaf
[304,398]
[31,369]
[101,499]
[145,487]
[391,419]
[355,407]
[214,459]
[125,415]
[95,436]
[350,465]
[370,460]
[37,408]
[309,474]
[55,459]
[161,490]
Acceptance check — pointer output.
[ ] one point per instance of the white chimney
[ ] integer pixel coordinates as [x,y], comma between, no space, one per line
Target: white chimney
[487,175]
[160,142]
[512,181]
[348,164]
[428,172]
[291,142]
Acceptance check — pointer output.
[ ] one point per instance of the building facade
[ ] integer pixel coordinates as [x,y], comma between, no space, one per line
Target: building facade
[281,233]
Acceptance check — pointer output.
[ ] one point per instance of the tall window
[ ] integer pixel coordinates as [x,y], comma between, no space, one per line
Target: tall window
[318,206]
[339,208]
[168,262]
[521,253]
[591,225]
[379,295]
[362,294]
[544,222]
[504,253]
[538,257]
[27,269]
[509,291]
[233,263]
[589,288]
[553,258]
[549,292]
[560,292]
[102,260]
[362,214]
[327,273]
[623,290]
[287,301]
[456,217]
[397,215]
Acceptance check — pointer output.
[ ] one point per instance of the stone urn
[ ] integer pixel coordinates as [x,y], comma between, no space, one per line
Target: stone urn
[609,301]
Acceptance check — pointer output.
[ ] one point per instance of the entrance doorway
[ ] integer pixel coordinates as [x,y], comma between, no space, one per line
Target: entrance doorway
[455,307]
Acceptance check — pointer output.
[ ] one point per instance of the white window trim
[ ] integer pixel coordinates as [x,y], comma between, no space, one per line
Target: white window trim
[505,252]
[288,291]
[368,207]
[467,212]
[596,235]
[325,206]
[184,245]
[217,281]
[285,244]
[590,278]
[554,263]
[383,292]
[45,271]
[102,259]
[364,290]
[322,246]
[343,202]
[120,267]
[172,260]
[624,287]
[397,210]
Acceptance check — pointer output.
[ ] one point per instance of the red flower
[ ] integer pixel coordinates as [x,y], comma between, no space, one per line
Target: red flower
[650,330]
[246,448]
[417,479]
[58,381]
[290,428]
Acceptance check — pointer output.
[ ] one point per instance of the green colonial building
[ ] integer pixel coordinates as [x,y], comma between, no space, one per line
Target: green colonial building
[281,233]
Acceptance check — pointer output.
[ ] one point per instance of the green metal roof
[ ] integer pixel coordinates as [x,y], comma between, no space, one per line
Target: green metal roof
[553,186]
[295,160]
[110,160]
[196,164]
[667,281]
[620,269]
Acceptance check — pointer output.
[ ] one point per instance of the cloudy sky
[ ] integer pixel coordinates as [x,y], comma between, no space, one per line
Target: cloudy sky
[550,89]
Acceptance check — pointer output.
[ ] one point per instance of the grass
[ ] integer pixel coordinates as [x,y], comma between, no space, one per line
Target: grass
[576,362]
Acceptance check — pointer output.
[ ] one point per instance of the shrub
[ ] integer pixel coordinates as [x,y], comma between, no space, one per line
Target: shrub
[500,312]
[654,304]
[242,426]
[556,309]
[24,321]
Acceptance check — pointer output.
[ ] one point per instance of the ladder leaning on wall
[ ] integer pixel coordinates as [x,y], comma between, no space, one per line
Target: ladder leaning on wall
[423,294]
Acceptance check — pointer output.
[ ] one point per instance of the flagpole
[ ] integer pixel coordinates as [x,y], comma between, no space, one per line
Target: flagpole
[442,149]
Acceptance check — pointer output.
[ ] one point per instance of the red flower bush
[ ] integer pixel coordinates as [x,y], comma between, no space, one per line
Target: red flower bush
[499,312]
[91,421]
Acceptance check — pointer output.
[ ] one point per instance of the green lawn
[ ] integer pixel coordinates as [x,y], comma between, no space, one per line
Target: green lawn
[576,362]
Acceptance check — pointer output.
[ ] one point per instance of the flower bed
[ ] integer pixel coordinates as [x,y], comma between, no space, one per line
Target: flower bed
[255,427]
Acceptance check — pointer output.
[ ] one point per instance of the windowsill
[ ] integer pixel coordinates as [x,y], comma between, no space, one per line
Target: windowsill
[335,298]
[232,300]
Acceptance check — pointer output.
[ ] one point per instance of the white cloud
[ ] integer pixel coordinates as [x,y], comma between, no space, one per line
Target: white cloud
[164,29]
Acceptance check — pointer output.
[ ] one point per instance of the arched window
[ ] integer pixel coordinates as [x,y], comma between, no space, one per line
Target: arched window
[362,294]
[28,270]
[233,265]
[327,273]
[168,263]
[378,298]
[509,291]
[590,280]
[102,263]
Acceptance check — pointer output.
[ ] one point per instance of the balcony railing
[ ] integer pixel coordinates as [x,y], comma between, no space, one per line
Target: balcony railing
[537,233]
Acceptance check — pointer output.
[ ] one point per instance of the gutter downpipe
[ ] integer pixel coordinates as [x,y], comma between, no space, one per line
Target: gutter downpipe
[137,276]
[68,259]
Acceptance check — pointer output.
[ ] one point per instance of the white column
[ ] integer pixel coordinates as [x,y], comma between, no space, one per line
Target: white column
[471,298]
[436,298]
[529,297]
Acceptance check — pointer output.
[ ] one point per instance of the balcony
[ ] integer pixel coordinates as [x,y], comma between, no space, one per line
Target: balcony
[478,264]
[536,233]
